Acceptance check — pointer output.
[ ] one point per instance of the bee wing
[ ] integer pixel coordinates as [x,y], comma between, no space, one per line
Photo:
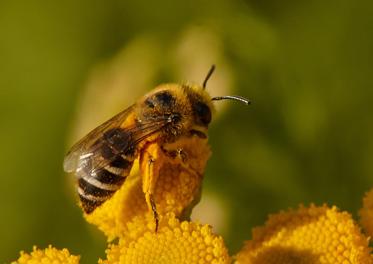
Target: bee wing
[83,146]
[88,149]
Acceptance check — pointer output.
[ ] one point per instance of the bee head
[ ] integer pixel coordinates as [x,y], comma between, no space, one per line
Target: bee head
[181,108]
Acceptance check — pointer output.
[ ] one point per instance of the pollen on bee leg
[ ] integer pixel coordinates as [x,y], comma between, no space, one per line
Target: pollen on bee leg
[150,161]
[149,196]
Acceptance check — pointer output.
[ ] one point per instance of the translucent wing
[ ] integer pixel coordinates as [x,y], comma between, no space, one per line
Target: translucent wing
[84,147]
[92,153]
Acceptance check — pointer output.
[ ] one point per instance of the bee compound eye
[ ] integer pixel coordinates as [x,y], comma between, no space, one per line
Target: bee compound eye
[164,98]
[160,99]
[202,112]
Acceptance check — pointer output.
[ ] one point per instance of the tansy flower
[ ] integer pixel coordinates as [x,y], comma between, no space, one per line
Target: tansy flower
[49,255]
[306,235]
[175,242]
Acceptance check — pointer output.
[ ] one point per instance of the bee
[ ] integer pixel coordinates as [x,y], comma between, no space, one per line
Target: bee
[168,115]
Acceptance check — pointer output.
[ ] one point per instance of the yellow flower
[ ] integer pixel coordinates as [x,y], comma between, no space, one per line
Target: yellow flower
[49,255]
[175,242]
[307,235]
[366,213]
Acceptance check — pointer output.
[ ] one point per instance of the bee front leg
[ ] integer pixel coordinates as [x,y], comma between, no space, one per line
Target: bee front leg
[182,155]
[178,155]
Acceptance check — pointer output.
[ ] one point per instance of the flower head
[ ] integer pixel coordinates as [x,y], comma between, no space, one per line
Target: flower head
[175,242]
[49,255]
[307,235]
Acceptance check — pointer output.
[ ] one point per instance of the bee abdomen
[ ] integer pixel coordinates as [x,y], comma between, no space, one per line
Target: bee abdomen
[97,186]
[92,186]
[106,177]
[89,204]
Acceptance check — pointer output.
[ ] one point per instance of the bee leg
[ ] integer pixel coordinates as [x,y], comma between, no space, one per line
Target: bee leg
[155,213]
[177,155]
[150,172]
[150,197]
[183,156]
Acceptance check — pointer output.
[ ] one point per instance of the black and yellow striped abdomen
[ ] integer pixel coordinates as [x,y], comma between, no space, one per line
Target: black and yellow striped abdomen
[102,174]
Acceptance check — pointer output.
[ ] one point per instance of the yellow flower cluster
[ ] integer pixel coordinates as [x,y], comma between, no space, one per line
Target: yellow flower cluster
[175,242]
[49,255]
[307,235]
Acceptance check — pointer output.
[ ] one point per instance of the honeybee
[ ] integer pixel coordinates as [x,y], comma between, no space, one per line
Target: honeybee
[168,115]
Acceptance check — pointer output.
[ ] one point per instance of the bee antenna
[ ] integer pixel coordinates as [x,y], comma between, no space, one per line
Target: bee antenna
[212,69]
[232,97]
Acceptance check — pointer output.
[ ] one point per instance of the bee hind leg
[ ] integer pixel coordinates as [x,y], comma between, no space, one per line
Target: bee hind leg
[149,194]
[150,172]
[155,213]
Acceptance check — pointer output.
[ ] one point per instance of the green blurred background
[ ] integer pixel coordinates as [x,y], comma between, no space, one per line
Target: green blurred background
[306,65]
